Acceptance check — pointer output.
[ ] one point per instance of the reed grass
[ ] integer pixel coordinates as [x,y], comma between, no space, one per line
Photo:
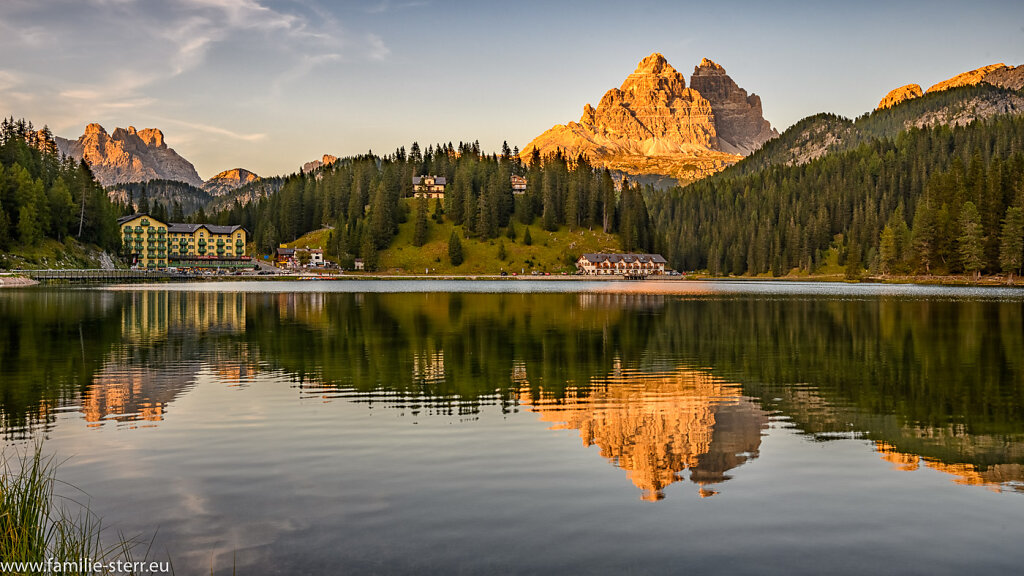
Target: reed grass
[37,523]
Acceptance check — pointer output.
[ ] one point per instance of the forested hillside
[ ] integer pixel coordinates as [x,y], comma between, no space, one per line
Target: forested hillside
[45,197]
[932,200]
[817,135]
[162,198]
[361,197]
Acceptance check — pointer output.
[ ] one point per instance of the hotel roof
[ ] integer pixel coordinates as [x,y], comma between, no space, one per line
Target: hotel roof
[182,228]
[628,258]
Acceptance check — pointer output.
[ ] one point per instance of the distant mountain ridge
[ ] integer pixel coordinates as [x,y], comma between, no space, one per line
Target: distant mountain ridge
[327,160]
[1001,75]
[654,124]
[127,155]
[229,180]
[821,134]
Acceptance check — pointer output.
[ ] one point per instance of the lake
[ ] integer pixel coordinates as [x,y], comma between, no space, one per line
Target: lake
[532,427]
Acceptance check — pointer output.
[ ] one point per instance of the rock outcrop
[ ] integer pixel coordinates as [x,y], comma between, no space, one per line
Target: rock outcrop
[970,78]
[229,180]
[739,120]
[1009,77]
[325,161]
[654,124]
[900,95]
[129,155]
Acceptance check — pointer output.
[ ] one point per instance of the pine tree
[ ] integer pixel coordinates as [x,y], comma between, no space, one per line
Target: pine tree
[381,218]
[510,232]
[368,251]
[29,231]
[61,209]
[1011,245]
[438,214]
[5,229]
[419,237]
[501,251]
[854,261]
[455,249]
[888,250]
[143,206]
[971,242]
[527,239]
[894,242]
[922,235]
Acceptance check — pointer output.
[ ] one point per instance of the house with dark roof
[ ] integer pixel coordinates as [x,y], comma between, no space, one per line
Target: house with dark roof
[518,184]
[285,257]
[632,265]
[429,186]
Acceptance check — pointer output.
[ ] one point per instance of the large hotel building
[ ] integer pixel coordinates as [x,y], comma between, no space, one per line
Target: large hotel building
[150,243]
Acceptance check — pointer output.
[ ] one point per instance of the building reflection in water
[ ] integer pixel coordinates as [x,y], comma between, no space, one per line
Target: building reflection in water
[161,352]
[659,427]
[428,368]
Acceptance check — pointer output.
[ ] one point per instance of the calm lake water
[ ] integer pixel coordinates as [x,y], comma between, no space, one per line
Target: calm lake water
[533,427]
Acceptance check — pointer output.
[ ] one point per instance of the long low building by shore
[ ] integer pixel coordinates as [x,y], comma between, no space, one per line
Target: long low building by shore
[621,264]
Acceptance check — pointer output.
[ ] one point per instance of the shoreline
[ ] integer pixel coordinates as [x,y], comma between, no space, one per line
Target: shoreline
[10,281]
[16,282]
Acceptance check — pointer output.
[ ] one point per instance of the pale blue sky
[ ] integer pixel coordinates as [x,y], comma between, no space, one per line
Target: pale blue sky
[267,85]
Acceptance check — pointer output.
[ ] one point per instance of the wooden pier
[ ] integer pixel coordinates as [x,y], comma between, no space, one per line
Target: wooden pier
[98,275]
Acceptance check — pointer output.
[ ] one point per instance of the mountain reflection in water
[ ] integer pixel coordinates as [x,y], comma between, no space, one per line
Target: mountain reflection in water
[668,388]
[655,426]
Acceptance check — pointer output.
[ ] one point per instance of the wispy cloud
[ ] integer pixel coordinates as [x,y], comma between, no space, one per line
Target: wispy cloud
[377,50]
[300,70]
[8,80]
[388,6]
[28,35]
[157,42]
[216,130]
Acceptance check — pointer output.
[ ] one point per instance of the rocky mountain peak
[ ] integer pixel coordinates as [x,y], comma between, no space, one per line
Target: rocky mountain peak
[739,118]
[900,95]
[969,78]
[653,64]
[229,180]
[129,155]
[653,74]
[152,137]
[706,66]
[313,165]
[654,124]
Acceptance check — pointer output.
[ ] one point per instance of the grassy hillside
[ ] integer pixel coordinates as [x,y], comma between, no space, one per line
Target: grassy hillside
[553,252]
[50,254]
